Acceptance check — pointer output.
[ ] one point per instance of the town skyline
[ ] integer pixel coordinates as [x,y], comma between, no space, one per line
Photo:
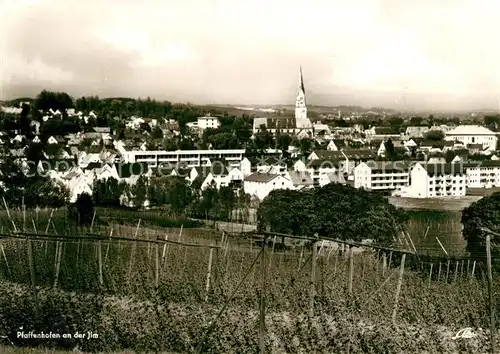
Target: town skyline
[377,54]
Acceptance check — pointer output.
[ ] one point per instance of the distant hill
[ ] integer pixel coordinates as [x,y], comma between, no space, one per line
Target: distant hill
[15,102]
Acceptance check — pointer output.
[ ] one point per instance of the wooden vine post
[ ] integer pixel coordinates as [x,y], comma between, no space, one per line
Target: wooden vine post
[430,275]
[490,293]
[32,275]
[447,271]
[99,260]
[312,289]
[384,263]
[351,269]
[157,265]
[59,247]
[398,289]
[132,252]
[209,273]
[262,312]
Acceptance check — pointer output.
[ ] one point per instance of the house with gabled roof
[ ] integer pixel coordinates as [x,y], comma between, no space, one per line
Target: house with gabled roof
[18,139]
[259,185]
[473,134]
[332,177]
[381,133]
[301,180]
[56,139]
[222,176]
[318,167]
[398,145]
[336,145]
[269,164]
[84,159]
[416,131]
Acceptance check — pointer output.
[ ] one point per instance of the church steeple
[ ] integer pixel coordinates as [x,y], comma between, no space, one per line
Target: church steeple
[300,101]
[301,81]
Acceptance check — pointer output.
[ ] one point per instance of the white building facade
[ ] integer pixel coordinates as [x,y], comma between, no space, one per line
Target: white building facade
[473,134]
[191,158]
[259,185]
[382,175]
[436,181]
[485,174]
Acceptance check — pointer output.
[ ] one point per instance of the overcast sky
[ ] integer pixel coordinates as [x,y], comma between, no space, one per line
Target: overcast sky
[437,54]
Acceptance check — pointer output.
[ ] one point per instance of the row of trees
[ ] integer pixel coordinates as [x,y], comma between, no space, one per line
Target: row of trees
[175,192]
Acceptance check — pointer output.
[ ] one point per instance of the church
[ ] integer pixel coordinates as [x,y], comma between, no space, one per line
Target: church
[299,126]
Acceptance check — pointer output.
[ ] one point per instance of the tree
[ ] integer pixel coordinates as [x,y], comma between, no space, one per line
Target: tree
[389,149]
[208,203]
[436,135]
[108,192]
[24,121]
[53,100]
[227,201]
[283,141]
[82,210]
[334,210]
[306,146]
[263,139]
[140,191]
[485,213]
[156,133]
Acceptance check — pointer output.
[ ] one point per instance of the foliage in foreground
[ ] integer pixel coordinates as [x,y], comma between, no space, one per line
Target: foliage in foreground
[483,213]
[334,210]
[149,325]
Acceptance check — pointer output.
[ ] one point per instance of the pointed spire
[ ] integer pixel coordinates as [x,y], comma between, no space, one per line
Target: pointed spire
[301,80]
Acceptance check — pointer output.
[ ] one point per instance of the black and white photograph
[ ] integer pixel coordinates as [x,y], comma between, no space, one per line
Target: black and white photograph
[249,176]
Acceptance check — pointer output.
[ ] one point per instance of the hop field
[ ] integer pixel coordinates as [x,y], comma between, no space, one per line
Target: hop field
[176,298]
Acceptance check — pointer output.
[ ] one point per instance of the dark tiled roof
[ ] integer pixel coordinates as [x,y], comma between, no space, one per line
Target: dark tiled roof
[386,130]
[268,161]
[339,143]
[486,163]
[323,163]
[281,123]
[437,143]
[216,169]
[93,165]
[444,168]
[389,166]
[260,177]
[359,154]
[329,155]
[301,178]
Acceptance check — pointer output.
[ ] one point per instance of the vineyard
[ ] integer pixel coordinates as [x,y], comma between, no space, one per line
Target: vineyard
[146,287]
